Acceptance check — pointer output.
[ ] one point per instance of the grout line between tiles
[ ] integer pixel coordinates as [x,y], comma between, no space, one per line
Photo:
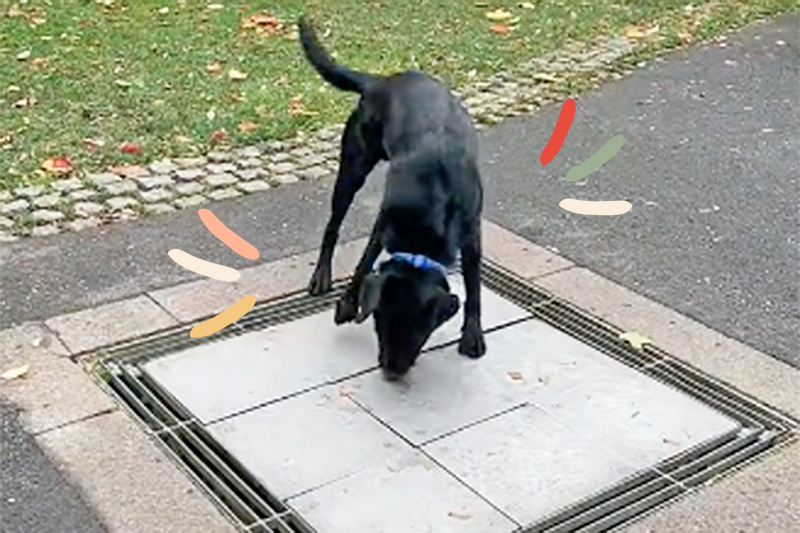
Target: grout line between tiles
[419,448]
[554,272]
[475,423]
[351,376]
[92,416]
[158,304]
[286,397]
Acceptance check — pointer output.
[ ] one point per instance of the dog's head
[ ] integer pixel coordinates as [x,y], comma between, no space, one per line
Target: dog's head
[407,305]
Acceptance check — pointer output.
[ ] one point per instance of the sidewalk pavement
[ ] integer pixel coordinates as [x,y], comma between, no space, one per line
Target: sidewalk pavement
[105,453]
[716,286]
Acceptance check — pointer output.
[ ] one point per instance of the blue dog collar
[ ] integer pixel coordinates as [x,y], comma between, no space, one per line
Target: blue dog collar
[421,261]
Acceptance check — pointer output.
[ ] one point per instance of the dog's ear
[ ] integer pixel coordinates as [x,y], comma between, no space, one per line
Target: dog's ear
[369,295]
[445,305]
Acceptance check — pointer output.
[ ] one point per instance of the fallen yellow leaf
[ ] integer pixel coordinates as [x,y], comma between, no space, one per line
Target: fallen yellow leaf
[634,33]
[636,339]
[236,75]
[527,5]
[247,126]
[16,372]
[498,15]
[214,68]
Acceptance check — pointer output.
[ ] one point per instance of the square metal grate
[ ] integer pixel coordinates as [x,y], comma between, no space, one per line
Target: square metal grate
[254,509]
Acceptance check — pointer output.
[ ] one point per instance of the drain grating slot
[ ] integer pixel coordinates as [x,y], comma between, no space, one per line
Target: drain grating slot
[253,508]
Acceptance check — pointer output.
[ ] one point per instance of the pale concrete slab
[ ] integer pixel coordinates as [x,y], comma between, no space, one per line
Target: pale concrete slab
[287,358]
[92,328]
[528,464]
[750,371]
[55,391]
[443,392]
[223,377]
[517,254]
[763,497]
[131,484]
[636,417]
[405,493]
[305,441]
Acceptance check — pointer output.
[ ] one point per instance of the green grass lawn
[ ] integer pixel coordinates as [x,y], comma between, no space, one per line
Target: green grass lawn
[80,77]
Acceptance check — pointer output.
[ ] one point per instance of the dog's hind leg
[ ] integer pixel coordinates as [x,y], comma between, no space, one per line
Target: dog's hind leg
[360,152]
[472,343]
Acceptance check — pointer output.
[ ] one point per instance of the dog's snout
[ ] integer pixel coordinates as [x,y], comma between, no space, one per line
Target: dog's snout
[392,375]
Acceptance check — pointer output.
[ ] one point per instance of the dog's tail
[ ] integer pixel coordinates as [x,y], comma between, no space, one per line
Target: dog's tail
[337,75]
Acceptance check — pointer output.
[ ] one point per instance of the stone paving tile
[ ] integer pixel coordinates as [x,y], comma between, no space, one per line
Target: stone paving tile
[121,480]
[122,187]
[189,188]
[55,390]
[254,186]
[368,501]
[84,223]
[152,182]
[43,231]
[527,464]
[82,194]
[224,194]
[46,215]
[119,203]
[190,201]
[157,195]
[87,209]
[48,201]
[110,323]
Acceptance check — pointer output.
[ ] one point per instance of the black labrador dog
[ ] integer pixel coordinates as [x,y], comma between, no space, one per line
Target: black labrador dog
[431,209]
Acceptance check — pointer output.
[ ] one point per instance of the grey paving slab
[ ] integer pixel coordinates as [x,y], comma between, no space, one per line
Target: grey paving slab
[110,323]
[407,493]
[34,495]
[639,418]
[444,391]
[265,365]
[55,391]
[305,441]
[495,311]
[269,364]
[528,464]
[131,484]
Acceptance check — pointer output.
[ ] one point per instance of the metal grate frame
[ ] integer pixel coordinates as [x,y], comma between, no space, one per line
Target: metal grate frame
[253,508]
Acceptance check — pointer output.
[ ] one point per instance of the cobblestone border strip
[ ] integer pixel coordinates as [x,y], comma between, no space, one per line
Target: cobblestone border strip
[164,186]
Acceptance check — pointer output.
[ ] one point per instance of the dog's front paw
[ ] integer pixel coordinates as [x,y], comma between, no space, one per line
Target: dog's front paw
[320,281]
[346,310]
[472,344]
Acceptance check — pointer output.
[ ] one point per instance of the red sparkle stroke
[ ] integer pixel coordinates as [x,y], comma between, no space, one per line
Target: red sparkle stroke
[560,132]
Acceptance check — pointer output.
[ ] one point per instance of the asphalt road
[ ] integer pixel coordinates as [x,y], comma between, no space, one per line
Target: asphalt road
[710,164]
[35,497]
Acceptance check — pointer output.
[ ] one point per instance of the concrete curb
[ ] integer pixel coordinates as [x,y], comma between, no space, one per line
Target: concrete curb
[114,462]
